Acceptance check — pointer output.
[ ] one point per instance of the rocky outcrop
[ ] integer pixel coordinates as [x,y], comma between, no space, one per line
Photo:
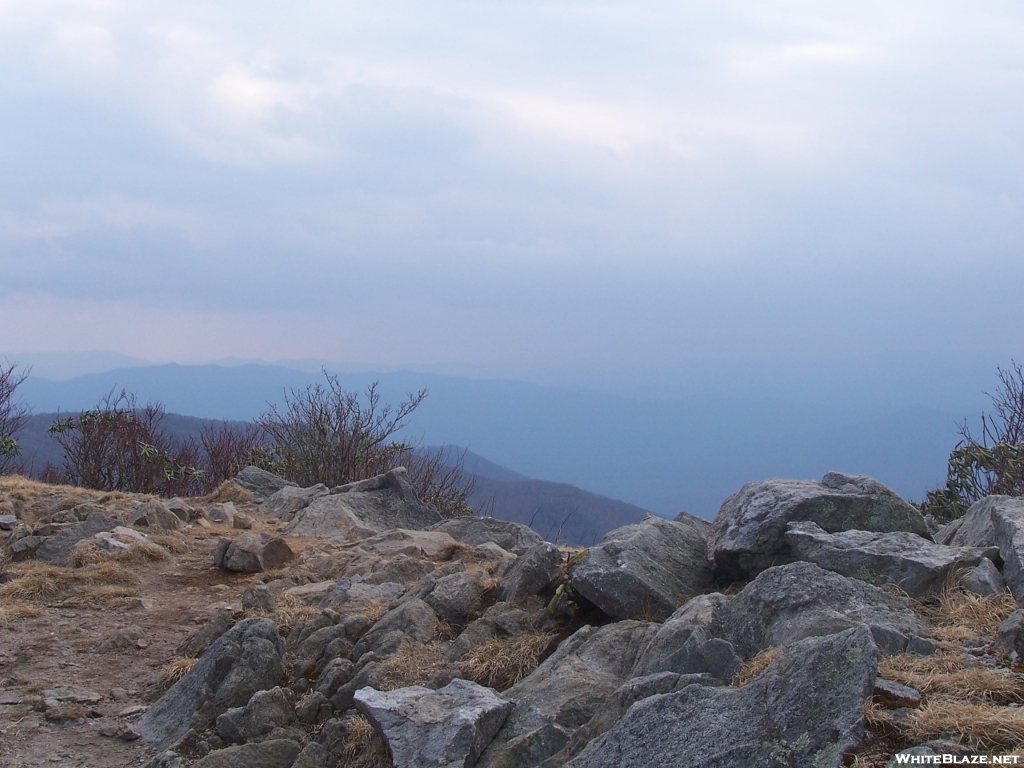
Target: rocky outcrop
[647,570]
[56,549]
[565,691]
[749,533]
[291,499]
[244,660]
[368,507]
[806,709]
[473,530]
[260,483]
[446,728]
[906,560]
[252,553]
[715,633]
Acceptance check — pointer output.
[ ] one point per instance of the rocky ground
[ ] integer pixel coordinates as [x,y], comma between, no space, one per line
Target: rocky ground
[821,624]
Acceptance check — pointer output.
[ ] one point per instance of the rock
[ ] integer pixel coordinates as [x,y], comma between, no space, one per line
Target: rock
[1010,538]
[335,674]
[458,597]
[781,606]
[7,522]
[535,572]
[265,711]
[447,728]
[259,598]
[313,653]
[277,753]
[252,553]
[57,549]
[500,620]
[165,760]
[748,535]
[365,508]
[314,709]
[984,579]
[184,511]
[977,528]
[118,539]
[120,640]
[241,521]
[1010,638]
[25,547]
[291,499]
[806,709]
[906,560]
[892,694]
[647,570]
[415,620]
[153,514]
[222,514]
[260,483]
[196,643]
[512,537]
[565,691]
[245,659]
[400,569]
[418,544]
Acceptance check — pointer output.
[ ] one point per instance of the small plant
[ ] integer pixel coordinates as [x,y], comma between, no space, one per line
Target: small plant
[993,462]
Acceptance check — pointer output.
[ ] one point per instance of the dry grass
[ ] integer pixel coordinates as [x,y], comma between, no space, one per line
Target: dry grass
[291,611]
[960,616]
[362,747]
[174,670]
[953,677]
[503,662]
[99,585]
[12,611]
[411,664]
[753,667]
[228,491]
[983,726]
[374,609]
[172,542]
[456,549]
[137,552]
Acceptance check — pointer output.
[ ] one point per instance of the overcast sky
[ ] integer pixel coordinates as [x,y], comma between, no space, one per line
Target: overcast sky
[622,194]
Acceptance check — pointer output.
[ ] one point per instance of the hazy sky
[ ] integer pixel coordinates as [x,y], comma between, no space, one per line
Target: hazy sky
[589,192]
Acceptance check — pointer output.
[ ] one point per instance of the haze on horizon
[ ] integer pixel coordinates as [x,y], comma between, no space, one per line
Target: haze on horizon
[765,200]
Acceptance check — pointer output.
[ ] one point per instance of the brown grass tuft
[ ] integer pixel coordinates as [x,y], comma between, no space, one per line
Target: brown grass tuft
[752,668]
[12,611]
[174,670]
[291,611]
[960,616]
[456,549]
[503,662]
[137,552]
[411,664]
[362,747]
[952,677]
[984,726]
[228,491]
[374,609]
[96,585]
[172,542]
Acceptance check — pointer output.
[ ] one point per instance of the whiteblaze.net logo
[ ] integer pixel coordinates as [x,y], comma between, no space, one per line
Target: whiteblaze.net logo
[956,760]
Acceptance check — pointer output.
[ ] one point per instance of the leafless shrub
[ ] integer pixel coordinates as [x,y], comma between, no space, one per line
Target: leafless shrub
[13,413]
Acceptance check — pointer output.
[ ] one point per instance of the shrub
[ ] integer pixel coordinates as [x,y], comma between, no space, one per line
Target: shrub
[992,463]
[13,413]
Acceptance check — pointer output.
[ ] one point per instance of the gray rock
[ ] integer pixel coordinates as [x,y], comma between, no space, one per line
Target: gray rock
[906,560]
[276,753]
[25,547]
[977,528]
[535,572]
[184,511]
[291,499]
[259,598]
[245,659]
[458,597]
[365,508]
[165,760]
[473,530]
[260,483]
[313,756]
[420,544]
[415,620]
[1010,538]
[336,673]
[196,643]
[320,647]
[223,514]
[749,533]
[1010,637]
[984,579]
[7,522]
[353,595]
[265,711]
[565,692]
[314,709]
[56,550]
[892,694]
[647,570]
[500,620]
[713,633]
[806,709]
[241,521]
[399,569]
[153,514]
[253,552]
[447,728]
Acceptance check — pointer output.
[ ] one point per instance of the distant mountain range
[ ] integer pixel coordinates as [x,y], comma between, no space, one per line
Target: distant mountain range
[665,456]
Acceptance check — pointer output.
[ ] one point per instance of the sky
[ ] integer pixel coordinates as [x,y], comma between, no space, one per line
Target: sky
[797,198]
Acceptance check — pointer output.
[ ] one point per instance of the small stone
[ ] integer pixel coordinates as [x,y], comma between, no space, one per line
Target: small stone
[7,522]
[127,733]
[109,731]
[118,694]
[135,709]
[894,695]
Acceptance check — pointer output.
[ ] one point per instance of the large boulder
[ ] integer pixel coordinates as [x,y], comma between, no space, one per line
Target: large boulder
[906,560]
[646,570]
[565,691]
[805,709]
[446,728]
[749,533]
[473,530]
[274,753]
[265,711]
[245,659]
[365,508]
[535,572]
[260,483]
[291,499]
[56,549]
[252,553]
[412,621]
[714,633]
